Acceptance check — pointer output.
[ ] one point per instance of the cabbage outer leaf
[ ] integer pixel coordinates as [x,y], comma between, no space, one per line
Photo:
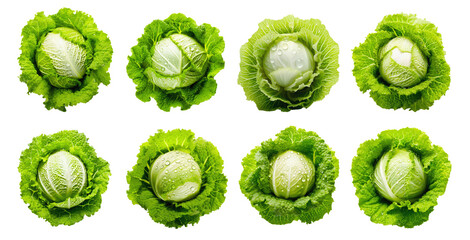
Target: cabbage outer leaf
[97,170]
[174,214]
[404,213]
[196,83]
[58,90]
[255,180]
[312,86]
[367,63]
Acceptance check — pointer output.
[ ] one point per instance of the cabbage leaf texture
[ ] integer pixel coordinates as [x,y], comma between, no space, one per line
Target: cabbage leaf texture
[64,58]
[170,213]
[404,213]
[422,87]
[255,179]
[66,206]
[175,62]
[288,64]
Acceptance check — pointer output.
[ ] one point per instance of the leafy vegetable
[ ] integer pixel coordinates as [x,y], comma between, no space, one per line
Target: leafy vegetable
[177,178]
[290,178]
[399,176]
[291,175]
[288,64]
[402,63]
[175,62]
[64,57]
[62,179]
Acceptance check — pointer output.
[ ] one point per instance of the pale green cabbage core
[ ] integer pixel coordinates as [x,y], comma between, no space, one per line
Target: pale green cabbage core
[288,64]
[402,63]
[67,58]
[292,175]
[62,177]
[179,61]
[175,176]
[399,176]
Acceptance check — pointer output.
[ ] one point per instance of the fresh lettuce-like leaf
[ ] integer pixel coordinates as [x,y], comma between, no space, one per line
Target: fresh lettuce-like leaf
[178,214]
[254,182]
[150,84]
[97,171]
[311,86]
[366,64]
[53,87]
[406,213]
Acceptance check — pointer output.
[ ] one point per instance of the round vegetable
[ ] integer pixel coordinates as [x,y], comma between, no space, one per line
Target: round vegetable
[64,57]
[67,59]
[178,178]
[399,176]
[288,64]
[175,176]
[292,175]
[290,178]
[62,179]
[175,62]
[402,64]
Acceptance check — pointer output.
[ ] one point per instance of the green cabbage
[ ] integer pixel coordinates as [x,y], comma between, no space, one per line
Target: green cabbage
[290,178]
[399,176]
[64,58]
[291,175]
[402,64]
[175,62]
[177,178]
[288,64]
[62,179]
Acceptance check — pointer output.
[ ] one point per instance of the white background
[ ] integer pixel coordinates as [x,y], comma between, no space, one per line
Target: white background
[117,123]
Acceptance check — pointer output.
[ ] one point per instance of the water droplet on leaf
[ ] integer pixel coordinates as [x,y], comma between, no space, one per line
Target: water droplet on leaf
[299,63]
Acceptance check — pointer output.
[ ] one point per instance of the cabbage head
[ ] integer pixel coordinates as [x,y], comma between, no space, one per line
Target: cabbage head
[62,179]
[402,64]
[399,176]
[178,178]
[291,177]
[175,62]
[288,64]
[64,58]
[175,176]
